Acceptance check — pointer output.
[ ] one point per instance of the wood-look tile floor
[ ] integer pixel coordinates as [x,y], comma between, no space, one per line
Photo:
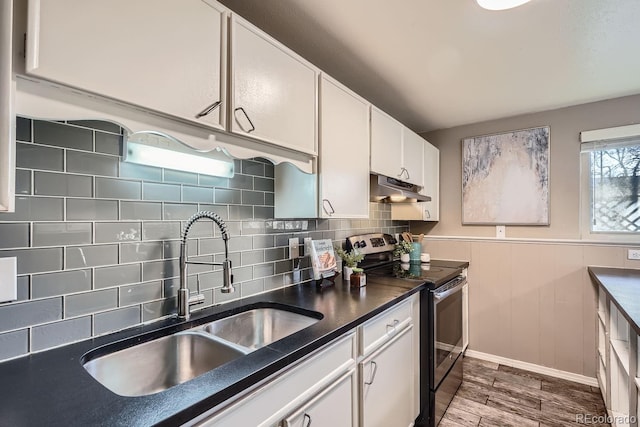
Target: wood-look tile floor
[498,395]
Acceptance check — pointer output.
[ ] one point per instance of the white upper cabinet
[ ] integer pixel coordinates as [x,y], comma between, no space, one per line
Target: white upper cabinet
[396,151]
[344,152]
[273,90]
[424,211]
[163,55]
[386,144]
[412,154]
[431,186]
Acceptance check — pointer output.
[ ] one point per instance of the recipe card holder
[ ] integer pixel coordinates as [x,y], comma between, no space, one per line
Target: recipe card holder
[326,282]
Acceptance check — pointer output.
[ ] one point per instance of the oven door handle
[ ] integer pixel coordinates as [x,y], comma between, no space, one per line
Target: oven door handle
[439,296]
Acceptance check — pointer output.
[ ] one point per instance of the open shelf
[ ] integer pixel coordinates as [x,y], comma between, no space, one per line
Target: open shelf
[602,316]
[621,350]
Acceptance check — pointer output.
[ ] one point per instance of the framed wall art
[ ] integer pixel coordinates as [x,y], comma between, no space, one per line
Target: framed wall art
[505,178]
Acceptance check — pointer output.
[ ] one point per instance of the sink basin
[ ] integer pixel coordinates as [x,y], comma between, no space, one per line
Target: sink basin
[259,327]
[156,365]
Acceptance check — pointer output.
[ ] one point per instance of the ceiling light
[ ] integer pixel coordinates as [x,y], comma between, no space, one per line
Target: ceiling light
[500,4]
[159,150]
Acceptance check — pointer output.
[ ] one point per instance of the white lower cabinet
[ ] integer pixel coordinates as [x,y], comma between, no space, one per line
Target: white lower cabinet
[368,377]
[386,384]
[334,407]
[271,403]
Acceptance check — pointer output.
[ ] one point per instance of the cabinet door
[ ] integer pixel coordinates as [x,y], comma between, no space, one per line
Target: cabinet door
[7,114]
[386,144]
[412,157]
[164,55]
[273,90]
[344,152]
[386,384]
[431,186]
[334,407]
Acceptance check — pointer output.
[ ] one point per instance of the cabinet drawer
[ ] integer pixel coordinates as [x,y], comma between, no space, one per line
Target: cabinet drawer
[288,389]
[384,326]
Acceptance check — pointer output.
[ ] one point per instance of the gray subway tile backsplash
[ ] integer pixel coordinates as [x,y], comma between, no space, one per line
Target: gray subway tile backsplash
[90,302]
[115,275]
[23,181]
[39,157]
[61,233]
[251,167]
[97,164]
[88,209]
[91,256]
[36,260]
[141,292]
[182,212]
[60,283]
[166,230]
[197,194]
[14,344]
[59,134]
[23,129]
[252,197]
[227,196]
[23,314]
[14,235]
[263,184]
[141,251]
[241,182]
[112,188]
[60,184]
[107,232]
[117,319]
[97,125]
[108,143]
[140,210]
[164,192]
[114,262]
[55,334]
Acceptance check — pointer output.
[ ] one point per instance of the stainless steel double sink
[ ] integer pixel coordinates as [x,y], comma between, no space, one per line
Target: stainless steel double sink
[161,363]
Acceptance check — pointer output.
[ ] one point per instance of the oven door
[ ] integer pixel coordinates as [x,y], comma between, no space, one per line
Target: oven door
[447,327]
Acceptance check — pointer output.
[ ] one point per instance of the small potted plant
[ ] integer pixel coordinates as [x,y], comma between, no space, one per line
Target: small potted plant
[349,260]
[403,249]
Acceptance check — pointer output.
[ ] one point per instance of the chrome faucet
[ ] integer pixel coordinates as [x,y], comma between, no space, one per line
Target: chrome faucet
[184,300]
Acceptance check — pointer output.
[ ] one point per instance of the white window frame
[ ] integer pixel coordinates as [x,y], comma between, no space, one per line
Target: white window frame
[595,140]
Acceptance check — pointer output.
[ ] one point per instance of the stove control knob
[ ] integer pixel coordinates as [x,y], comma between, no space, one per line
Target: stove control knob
[363,244]
[356,245]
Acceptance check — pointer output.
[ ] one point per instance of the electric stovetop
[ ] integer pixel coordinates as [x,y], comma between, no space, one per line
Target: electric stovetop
[434,274]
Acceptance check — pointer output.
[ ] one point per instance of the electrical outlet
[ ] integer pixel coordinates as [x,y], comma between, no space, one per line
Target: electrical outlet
[501,232]
[633,254]
[294,248]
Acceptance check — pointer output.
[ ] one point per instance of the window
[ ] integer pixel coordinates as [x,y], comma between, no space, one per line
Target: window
[611,175]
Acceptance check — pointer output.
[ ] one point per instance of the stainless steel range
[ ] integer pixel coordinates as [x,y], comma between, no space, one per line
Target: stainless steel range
[441,311]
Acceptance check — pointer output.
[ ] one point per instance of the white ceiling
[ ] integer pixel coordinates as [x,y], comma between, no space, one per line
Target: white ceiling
[435,64]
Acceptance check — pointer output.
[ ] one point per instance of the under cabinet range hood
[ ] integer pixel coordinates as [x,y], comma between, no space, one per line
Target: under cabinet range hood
[385,189]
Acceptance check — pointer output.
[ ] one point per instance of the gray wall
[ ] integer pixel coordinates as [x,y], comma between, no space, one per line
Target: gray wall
[564,158]
[97,240]
[531,299]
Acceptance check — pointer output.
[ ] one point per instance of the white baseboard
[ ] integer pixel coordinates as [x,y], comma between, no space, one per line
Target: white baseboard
[534,368]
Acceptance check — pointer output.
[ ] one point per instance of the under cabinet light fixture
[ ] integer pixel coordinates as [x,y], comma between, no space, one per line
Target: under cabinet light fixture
[501,4]
[156,149]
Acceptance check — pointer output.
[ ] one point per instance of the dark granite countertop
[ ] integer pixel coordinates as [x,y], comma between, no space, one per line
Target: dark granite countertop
[623,287]
[52,387]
